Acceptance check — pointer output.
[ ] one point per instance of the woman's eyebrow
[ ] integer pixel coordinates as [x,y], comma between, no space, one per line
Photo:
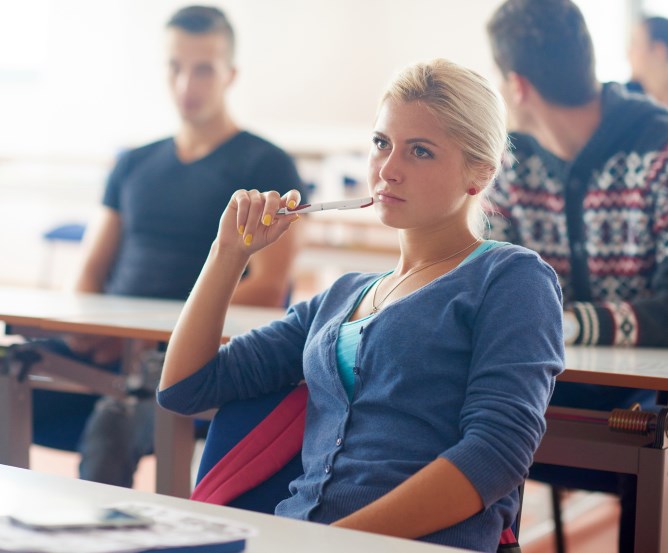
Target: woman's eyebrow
[424,140]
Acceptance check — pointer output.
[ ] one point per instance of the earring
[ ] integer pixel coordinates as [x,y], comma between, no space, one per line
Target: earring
[472,191]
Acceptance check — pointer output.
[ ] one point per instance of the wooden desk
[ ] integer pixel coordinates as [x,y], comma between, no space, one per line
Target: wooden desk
[134,319]
[22,487]
[585,444]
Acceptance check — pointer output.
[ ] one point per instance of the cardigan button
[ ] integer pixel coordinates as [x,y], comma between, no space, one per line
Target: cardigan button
[356,370]
[339,441]
[328,469]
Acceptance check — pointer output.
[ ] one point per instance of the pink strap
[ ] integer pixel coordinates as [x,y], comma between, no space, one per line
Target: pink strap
[262,453]
[507,536]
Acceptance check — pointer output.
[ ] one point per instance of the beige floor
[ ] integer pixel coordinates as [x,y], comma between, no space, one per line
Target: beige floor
[590,519]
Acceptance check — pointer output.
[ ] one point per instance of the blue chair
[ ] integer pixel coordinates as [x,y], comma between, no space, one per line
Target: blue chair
[70,233]
[226,456]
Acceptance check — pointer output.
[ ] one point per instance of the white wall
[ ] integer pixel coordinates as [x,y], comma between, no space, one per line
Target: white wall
[305,65]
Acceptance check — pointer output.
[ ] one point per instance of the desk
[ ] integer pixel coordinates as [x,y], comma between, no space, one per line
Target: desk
[276,535]
[583,444]
[134,319]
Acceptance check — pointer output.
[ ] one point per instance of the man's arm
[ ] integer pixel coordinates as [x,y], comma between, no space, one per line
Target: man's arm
[100,247]
[642,322]
[269,273]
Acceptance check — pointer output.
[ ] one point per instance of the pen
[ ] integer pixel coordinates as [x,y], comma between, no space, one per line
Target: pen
[343,204]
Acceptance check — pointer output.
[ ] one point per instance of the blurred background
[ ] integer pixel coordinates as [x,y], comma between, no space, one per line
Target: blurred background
[81,80]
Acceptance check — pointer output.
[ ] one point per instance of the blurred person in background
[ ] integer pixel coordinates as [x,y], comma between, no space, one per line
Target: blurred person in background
[648,56]
[160,212]
[587,190]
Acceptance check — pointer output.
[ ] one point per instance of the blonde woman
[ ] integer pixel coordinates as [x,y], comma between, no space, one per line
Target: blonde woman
[427,384]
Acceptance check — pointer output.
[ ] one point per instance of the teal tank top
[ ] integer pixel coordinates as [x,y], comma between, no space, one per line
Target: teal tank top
[350,332]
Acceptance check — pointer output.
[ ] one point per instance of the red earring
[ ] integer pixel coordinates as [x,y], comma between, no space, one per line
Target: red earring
[472,191]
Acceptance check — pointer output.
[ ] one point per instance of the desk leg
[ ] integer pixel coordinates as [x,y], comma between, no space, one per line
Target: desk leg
[174,445]
[652,501]
[15,421]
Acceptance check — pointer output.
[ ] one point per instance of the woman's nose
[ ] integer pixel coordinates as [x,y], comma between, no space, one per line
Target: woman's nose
[390,170]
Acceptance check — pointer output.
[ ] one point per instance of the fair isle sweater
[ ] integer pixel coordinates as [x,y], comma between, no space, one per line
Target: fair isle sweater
[462,368]
[600,220]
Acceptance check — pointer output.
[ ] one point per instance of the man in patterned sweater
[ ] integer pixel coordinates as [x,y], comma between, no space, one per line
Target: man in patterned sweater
[588,190]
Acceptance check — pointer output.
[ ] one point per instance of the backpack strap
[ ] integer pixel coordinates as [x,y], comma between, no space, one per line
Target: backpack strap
[260,454]
[508,542]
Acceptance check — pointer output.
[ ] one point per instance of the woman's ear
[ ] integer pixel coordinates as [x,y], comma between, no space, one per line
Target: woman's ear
[481,177]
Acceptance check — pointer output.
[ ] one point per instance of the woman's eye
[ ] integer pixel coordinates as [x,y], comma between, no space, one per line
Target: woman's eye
[380,143]
[421,152]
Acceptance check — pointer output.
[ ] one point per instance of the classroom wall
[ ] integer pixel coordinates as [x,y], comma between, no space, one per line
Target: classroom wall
[84,78]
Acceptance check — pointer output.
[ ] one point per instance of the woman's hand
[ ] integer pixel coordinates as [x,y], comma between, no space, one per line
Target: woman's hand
[249,223]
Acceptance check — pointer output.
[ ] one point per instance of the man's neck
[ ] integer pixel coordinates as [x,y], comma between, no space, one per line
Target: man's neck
[565,131]
[196,140]
[657,87]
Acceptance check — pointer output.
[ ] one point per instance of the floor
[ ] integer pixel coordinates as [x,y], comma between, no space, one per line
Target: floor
[590,519]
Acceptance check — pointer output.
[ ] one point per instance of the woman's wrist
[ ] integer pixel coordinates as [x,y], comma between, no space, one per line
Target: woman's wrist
[231,256]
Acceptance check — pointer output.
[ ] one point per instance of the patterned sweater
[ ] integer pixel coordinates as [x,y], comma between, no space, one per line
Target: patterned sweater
[601,220]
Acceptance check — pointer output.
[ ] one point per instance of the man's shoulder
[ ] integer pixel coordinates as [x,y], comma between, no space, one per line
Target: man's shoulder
[250,142]
[630,110]
[152,149]
[522,147]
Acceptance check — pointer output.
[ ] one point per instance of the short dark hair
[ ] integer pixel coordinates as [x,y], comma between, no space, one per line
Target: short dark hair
[200,20]
[548,43]
[657,29]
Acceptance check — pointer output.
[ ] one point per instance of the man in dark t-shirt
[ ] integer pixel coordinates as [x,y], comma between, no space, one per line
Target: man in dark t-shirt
[160,214]
[170,212]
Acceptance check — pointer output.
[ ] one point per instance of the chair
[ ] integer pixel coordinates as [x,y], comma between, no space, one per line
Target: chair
[69,233]
[253,452]
[249,465]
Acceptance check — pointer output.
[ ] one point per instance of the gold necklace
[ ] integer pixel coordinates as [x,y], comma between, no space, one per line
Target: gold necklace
[376,306]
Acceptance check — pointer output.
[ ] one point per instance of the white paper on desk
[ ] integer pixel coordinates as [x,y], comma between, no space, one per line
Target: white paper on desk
[171,528]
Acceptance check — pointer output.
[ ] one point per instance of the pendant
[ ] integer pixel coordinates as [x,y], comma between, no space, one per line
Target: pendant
[374,310]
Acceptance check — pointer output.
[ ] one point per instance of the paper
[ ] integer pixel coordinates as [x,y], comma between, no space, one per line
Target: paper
[171,528]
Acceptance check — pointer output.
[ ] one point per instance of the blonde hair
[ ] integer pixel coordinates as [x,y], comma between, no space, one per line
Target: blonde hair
[471,112]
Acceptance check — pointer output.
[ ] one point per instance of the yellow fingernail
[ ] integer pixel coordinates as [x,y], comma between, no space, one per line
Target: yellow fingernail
[241,229]
[292,204]
[295,219]
[248,239]
[266,220]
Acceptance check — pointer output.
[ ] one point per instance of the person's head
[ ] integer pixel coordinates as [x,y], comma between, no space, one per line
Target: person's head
[438,142]
[200,49]
[545,43]
[648,50]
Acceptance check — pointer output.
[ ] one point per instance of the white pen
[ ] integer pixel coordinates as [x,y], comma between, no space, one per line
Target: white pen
[343,204]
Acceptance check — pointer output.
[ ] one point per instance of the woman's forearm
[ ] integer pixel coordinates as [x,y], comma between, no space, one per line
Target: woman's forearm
[436,497]
[196,337]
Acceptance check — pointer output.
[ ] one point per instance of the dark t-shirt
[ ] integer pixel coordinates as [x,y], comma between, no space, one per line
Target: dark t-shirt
[170,210]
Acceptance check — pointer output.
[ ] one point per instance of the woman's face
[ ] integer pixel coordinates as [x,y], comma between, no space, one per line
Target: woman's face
[416,172]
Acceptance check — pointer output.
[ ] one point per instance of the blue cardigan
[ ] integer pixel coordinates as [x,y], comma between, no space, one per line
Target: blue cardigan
[462,368]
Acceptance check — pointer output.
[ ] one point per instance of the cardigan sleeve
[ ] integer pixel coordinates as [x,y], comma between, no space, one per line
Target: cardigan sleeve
[517,354]
[261,361]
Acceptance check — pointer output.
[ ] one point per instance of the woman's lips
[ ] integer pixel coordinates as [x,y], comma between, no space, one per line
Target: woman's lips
[388,197]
